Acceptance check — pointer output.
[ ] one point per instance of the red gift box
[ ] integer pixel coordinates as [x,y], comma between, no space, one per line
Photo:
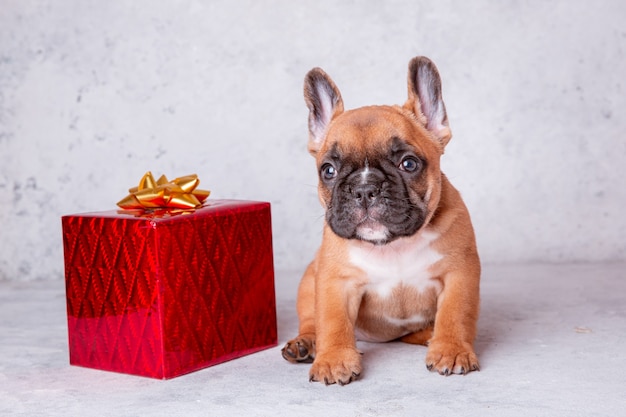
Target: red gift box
[160,295]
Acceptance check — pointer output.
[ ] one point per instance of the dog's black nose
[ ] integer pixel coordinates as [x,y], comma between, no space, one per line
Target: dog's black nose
[365,194]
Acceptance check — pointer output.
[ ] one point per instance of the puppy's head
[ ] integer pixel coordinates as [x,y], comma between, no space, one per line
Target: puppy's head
[379,176]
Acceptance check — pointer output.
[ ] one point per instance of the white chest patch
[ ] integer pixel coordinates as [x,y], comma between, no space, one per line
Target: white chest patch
[405,261]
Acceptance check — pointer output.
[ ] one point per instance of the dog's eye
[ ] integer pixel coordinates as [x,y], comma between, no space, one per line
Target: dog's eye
[328,171]
[409,164]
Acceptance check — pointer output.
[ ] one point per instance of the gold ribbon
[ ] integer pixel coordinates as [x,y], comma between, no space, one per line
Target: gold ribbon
[180,193]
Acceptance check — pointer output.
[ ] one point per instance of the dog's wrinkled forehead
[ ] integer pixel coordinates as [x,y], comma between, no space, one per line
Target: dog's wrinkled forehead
[372,134]
[353,159]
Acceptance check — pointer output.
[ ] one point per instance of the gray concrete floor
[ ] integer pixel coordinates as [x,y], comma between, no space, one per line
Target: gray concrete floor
[551,343]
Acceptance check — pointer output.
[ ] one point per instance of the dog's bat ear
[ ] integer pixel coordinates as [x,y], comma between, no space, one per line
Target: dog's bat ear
[425,99]
[324,101]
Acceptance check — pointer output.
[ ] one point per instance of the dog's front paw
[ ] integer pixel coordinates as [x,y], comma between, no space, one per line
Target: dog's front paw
[451,358]
[337,367]
[301,349]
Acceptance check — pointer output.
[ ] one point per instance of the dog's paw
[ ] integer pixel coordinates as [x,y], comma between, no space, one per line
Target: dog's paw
[337,367]
[451,358]
[300,350]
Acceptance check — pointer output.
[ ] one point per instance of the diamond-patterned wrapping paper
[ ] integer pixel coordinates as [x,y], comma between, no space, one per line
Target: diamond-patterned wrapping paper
[164,296]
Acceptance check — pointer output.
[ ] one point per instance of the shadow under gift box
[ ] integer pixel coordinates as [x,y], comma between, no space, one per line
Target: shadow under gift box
[164,296]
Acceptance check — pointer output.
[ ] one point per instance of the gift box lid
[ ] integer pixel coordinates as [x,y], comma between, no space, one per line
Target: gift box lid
[212,208]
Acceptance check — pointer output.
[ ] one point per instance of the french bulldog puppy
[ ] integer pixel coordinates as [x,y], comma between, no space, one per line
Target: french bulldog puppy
[398,259]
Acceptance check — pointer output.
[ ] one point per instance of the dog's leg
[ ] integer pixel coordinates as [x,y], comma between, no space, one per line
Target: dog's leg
[337,306]
[421,337]
[302,348]
[451,350]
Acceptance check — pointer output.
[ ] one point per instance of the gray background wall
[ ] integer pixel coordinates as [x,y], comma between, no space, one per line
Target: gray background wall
[93,94]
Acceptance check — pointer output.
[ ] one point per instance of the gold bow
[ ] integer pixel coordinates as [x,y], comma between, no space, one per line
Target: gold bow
[180,193]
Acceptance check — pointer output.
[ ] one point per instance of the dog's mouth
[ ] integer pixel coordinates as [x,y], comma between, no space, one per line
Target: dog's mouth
[375,226]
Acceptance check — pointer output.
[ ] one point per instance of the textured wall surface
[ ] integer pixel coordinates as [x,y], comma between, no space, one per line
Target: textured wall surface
[93,94]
